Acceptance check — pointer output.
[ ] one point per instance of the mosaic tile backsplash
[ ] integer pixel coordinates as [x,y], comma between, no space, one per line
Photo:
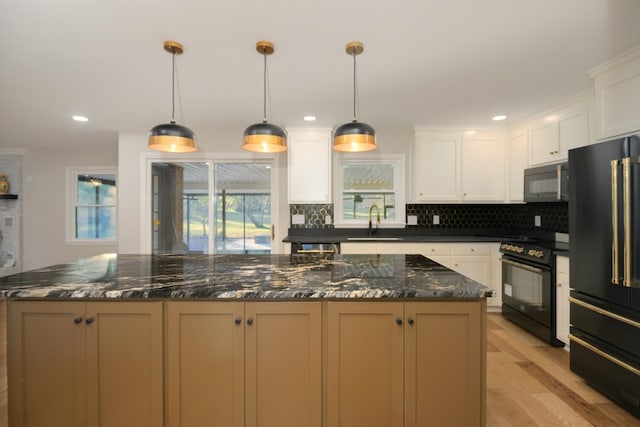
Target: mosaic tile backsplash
[314,215]
[554,217]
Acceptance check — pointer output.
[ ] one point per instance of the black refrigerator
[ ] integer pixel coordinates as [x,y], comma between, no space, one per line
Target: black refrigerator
[604,250]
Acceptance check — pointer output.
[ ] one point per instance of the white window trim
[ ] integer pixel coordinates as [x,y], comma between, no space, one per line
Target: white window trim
[398,163]
[72,173]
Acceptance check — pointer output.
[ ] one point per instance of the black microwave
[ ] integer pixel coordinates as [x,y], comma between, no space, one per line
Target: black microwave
[546,183]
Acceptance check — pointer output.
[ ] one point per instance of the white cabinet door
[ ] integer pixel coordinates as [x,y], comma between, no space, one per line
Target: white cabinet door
[617,95]
[517,148]
[551,137]
[435,168]
[482,168]
[544,145]
[450,166]
[562,299]
[309,165]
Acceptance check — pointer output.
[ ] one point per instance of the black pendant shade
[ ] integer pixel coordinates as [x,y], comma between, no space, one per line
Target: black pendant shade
[264,137]
[170,136]
[354,136]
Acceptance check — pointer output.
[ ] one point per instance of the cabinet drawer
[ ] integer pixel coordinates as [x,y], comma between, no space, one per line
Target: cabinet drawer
[430,249]
[472,249]
[562,264]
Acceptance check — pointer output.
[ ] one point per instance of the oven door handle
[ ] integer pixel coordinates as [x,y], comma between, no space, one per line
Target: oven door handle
[520,265]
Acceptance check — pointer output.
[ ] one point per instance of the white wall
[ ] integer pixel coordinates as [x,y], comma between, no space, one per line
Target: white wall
[44,202]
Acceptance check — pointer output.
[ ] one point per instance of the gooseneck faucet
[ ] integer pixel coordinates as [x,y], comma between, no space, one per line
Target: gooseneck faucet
[371,230]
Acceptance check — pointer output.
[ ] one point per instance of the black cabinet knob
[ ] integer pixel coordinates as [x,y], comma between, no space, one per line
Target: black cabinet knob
[238,320]
[77,320]
[89,320]
[411,321]
[399,321]
[249,321]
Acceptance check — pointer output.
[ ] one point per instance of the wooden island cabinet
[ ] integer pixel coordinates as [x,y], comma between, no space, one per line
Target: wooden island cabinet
[338,341]
[76,363]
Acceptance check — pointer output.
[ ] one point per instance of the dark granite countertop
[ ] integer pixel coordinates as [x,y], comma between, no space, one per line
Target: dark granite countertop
[245,277]
[409,234]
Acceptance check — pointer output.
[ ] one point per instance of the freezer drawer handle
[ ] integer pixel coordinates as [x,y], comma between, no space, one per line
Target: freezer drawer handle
[607,356]
[605,312]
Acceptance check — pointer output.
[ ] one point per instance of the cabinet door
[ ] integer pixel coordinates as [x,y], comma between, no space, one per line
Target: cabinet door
[562,299]
[358,248]
[482,168]
[444,360]
[435,168]
[283,364]
[205,363]
[309,166]
[46,364]
[365,364]
[517,164]
[124,348]
[544,145]
[574,132]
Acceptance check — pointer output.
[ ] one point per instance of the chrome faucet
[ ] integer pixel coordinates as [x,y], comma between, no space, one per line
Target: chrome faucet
[371,230]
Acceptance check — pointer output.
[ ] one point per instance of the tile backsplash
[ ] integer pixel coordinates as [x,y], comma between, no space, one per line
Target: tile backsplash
[552,217]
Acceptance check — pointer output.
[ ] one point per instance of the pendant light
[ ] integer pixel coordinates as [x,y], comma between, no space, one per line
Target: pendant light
[354,136]
[265,137]
[170,136]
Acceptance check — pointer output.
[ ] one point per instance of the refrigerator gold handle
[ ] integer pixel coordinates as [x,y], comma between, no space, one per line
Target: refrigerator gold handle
[615,273]
[626,176]
[607,356]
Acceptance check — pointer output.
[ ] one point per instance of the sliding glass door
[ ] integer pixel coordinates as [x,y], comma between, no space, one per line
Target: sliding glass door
[188,197]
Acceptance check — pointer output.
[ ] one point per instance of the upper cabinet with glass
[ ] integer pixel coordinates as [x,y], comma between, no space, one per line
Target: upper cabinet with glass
[309,165]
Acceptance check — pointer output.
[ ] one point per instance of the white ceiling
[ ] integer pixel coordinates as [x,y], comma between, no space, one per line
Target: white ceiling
[426,62]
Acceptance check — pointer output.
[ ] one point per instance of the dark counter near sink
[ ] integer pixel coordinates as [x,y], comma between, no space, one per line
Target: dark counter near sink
[340,235]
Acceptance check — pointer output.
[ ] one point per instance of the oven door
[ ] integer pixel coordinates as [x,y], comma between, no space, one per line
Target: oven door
[526,288]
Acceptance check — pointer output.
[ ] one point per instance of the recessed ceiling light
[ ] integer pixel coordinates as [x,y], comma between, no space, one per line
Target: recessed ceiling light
[498,118]
[309,118]
[80,118]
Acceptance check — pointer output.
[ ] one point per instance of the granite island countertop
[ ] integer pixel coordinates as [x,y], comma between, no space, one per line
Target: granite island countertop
[197,276]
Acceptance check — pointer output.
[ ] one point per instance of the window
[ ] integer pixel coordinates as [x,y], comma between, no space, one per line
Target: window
[93,214]
[362,185]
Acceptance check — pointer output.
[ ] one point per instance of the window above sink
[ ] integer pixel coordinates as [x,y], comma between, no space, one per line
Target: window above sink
[364,182]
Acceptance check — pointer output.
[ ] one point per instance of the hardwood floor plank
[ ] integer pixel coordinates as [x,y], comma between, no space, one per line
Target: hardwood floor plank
[529,383]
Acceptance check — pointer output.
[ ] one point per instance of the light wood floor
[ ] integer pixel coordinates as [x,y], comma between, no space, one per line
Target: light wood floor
[529,384]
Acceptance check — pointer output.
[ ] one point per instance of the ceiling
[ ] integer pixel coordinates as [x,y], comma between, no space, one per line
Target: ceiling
[425,62]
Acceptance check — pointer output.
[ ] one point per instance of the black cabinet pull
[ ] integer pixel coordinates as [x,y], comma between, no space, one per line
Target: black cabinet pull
[411,321]
[77,320]
[238,320]
[89,320]
[249,321]
[399,321]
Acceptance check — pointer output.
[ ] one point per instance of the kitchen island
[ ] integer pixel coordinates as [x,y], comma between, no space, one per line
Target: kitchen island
[234,340]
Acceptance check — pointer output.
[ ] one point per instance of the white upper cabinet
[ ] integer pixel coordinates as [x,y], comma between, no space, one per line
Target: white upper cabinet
[518,161]
[309,165]
[457,166]
[552,136]
[435,167]
[617,95]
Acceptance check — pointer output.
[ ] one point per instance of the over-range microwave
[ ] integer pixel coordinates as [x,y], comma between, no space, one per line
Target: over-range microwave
[547,183]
